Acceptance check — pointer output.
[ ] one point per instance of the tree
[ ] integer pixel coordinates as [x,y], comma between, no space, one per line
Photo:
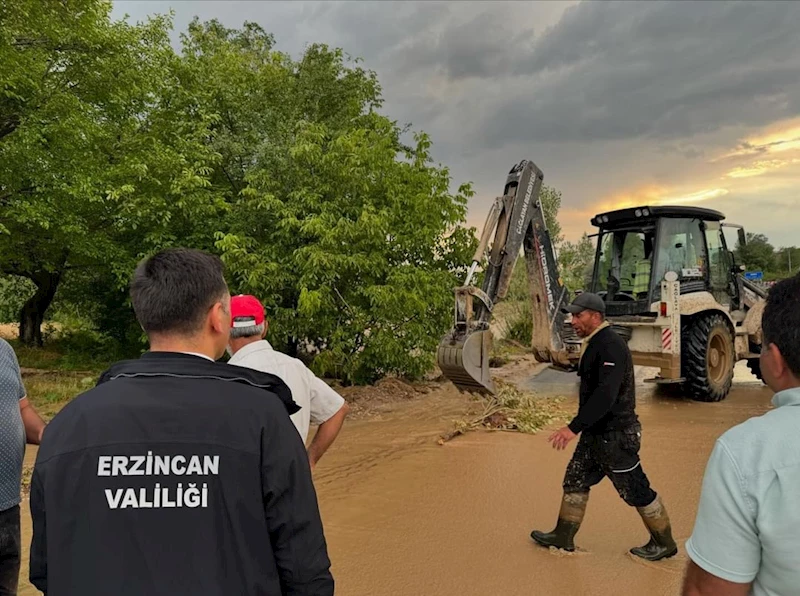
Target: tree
[787,260]
[758,254]
[575,262]
[97,167]
[351,238]
[551,204]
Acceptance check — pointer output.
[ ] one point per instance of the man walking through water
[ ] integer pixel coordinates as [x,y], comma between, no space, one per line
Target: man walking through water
[610,436]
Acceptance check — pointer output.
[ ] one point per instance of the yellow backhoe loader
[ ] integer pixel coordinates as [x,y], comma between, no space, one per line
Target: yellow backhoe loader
[671,286]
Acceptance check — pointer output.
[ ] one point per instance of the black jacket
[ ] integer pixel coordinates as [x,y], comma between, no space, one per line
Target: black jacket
[608,390]
[177,475]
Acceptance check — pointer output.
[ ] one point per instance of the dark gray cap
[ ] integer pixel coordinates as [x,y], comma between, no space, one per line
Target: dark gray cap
[586,301]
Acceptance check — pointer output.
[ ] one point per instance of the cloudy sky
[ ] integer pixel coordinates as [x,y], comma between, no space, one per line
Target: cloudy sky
[619,103]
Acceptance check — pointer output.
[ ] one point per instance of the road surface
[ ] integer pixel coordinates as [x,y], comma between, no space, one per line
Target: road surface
[406,516]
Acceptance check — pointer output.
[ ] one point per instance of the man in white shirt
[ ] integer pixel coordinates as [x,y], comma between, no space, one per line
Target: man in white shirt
[318,402]
[746,536]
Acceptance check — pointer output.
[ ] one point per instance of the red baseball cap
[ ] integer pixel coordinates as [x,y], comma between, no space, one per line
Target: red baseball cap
[248,308]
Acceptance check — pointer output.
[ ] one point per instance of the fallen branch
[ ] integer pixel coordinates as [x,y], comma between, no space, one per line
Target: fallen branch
[511,409]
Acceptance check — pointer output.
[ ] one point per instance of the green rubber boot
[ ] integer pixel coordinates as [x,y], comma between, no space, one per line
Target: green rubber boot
[661,545]
[573,507]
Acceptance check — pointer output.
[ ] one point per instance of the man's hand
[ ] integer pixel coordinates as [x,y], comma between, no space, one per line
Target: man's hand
[561,438]
[326,434]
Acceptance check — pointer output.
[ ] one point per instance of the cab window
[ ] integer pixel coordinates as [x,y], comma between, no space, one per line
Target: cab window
[681,248]
[624,258]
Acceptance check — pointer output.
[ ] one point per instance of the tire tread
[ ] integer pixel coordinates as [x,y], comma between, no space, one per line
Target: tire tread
[694,347]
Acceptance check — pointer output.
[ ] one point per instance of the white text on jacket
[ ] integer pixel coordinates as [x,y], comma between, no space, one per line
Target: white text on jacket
[163,494]
[157,465]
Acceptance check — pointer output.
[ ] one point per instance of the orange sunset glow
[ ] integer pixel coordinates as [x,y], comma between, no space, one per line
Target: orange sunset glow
[748,169]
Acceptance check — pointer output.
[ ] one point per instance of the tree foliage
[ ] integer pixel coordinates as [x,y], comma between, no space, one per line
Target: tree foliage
[14,291]
[787,260]
[350,238]
[113,145]
[575,262]
[96,165]
[758,254]
[551,204]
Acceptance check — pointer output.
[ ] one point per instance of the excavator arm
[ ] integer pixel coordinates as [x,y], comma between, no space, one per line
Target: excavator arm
[516,219]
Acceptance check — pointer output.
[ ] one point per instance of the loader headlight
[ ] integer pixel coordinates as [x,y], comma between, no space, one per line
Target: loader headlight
[638,212]
[645,212]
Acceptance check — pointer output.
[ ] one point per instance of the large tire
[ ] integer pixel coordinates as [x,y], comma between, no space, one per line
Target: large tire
[707,357]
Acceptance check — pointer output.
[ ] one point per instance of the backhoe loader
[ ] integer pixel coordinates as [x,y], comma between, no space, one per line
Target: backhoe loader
[670,283]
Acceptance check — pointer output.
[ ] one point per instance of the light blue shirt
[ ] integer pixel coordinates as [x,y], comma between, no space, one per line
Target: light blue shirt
[748,522]
[12,430]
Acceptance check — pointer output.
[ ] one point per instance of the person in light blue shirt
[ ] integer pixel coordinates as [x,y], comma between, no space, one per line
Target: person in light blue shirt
[746,538]
[19,423]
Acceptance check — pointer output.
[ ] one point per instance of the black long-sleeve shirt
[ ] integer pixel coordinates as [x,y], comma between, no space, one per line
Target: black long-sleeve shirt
[176,475]
[608,391]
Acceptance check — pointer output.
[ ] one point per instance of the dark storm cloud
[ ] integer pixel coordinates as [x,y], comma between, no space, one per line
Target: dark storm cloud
[376,30]
[520,71]
[665,70]
[482,46]
[607,97]
[459,39]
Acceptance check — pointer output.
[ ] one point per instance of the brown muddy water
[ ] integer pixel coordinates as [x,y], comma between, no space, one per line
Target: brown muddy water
[405,516]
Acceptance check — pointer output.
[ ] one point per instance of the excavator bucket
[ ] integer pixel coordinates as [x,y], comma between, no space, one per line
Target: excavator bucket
[465,361]
[515,222]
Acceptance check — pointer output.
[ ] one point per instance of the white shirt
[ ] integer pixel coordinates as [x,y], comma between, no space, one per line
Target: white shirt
[317,401]
[198,354]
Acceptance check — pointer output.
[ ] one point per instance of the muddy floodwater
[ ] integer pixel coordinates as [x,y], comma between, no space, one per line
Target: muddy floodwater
[406,516]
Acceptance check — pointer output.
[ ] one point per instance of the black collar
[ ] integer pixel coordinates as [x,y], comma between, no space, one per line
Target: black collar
[176,363]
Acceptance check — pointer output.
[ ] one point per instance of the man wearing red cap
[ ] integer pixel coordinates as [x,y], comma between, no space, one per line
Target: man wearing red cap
[318,402]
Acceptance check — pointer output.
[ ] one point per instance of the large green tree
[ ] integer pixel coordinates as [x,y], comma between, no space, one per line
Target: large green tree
[101,156]
[115,146]
[350,236]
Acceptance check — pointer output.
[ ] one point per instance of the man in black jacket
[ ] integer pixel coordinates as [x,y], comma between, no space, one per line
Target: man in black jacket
[610,436]
[178,474]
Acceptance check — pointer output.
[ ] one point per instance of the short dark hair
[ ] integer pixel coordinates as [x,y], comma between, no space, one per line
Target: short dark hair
[780,322]
[172,290]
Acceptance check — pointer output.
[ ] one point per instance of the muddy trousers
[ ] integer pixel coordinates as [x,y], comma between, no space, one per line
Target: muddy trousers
[616,455]
[9,551]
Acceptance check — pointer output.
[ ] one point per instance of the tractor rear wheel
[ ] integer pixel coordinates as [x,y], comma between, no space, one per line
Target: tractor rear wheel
[707,357]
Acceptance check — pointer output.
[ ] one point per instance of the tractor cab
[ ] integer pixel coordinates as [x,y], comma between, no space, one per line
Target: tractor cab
[637,246]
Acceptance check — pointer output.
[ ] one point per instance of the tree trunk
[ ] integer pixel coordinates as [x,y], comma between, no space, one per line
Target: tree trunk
[31,316]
